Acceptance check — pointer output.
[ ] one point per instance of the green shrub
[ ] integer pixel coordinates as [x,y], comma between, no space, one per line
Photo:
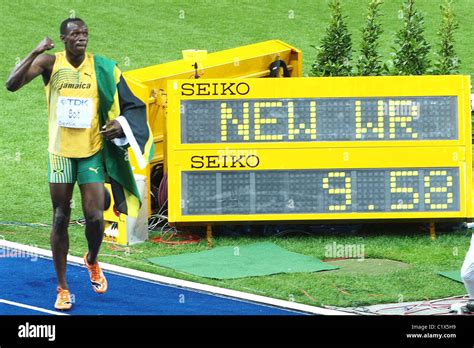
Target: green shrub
[335,52]
[369,62]
[412,49]
[447,62]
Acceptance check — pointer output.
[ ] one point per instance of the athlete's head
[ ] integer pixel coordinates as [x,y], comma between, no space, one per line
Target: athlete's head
[74,35]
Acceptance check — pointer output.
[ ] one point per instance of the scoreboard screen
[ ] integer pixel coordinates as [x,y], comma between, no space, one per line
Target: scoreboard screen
[318,119]
[319,149]
[321,191]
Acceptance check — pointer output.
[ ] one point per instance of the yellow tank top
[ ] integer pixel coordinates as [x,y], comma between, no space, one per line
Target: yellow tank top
[73,104]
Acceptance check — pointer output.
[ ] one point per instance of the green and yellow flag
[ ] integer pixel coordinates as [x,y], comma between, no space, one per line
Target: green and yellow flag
[116,99]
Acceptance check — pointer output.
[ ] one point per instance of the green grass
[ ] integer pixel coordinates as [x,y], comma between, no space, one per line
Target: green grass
[406,244]
[142,33]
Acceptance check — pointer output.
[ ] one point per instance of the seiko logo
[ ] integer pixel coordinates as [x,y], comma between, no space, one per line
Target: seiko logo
[215,88]
[237,161]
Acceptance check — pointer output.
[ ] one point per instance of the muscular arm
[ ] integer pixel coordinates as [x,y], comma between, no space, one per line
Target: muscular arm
[33,65]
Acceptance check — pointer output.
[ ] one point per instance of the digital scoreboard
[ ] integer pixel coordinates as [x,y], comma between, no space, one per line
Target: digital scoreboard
[318,119]
[319,149]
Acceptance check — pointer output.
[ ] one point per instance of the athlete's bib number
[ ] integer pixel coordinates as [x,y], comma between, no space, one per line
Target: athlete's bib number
[74,112]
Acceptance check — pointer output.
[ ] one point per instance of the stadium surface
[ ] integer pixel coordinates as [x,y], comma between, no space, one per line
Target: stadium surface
[27,283]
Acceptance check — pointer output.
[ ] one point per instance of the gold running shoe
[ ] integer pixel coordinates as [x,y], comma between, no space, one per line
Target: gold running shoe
[98,281]
[63,299]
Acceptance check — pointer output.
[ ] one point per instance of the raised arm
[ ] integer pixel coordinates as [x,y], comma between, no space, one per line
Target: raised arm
[33,65]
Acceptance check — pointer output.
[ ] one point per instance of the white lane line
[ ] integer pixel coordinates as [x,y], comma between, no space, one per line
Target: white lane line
[34,308]
[184,283]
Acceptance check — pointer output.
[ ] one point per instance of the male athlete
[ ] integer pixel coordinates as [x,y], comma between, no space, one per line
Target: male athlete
[77,85]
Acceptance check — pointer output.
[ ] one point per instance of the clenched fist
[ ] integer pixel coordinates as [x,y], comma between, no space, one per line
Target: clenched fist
[45,45]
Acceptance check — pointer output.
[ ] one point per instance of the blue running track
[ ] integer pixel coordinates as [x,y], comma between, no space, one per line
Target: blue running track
[31,281]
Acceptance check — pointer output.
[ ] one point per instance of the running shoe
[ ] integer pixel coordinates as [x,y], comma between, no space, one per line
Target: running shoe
[63,299]
[98,281]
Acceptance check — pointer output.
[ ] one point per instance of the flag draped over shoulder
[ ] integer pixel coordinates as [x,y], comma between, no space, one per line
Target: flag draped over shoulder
[115,99]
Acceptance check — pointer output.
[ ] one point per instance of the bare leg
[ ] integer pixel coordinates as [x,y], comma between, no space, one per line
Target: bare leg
[93,207]
[61,195]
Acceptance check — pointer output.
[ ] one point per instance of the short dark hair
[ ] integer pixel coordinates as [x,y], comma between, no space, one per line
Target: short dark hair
[63,27]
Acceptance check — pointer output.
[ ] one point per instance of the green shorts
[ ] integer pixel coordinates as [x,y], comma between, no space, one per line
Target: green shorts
[64,170]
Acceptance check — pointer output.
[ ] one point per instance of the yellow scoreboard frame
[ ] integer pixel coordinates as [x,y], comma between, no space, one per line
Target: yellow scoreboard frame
[360,139]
